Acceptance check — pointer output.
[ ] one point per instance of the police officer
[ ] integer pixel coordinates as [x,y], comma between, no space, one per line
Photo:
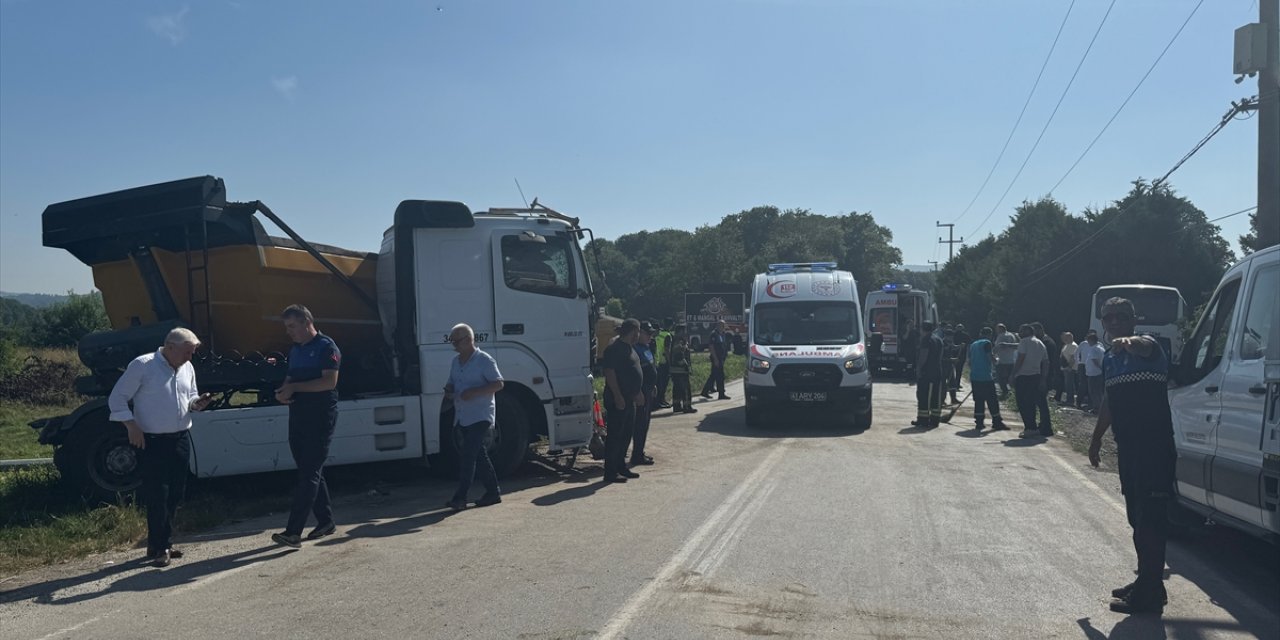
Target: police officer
[311,391]
[662,344]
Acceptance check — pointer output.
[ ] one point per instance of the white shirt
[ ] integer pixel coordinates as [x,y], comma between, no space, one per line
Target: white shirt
[1069,355]
[1006,346]
[1091,356]
[160,394]
[1034,353]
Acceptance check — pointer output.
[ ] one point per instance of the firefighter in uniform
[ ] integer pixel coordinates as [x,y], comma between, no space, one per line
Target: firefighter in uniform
[929,378]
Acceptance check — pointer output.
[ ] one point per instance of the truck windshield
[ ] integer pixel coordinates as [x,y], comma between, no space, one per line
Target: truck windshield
[805,323]
[1153,306]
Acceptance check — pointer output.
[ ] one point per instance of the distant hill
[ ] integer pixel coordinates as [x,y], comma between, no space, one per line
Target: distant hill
[917,267]
[37,300]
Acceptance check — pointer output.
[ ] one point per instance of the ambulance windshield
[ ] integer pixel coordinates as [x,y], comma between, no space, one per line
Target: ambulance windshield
[805,323]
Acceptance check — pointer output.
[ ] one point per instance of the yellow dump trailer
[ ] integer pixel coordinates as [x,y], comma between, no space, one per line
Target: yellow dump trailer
[179,254]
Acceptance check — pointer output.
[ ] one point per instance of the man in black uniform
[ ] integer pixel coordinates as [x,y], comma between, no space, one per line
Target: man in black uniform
[929,379]
[1135,406]
[719,351]
[622,398]
[311,391]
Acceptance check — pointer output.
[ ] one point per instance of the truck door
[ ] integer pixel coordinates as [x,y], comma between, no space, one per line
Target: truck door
[1197,404]
[1237,462]
[541,303]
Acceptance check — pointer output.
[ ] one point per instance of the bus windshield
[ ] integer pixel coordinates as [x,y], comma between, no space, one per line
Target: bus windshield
[1153,306]
[805,323]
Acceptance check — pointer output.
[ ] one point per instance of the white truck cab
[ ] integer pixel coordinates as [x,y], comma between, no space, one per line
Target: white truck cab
[806,345]
[1226,399]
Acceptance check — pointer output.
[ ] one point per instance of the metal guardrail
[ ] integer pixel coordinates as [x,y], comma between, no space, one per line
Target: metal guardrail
[28,462]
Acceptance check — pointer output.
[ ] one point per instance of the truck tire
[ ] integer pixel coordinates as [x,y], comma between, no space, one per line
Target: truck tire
[98,461]
[508,443]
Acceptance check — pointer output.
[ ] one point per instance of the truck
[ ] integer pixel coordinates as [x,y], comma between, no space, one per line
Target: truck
[888,311]
[806,345]
[702,311]
[1225,401]
[180,254]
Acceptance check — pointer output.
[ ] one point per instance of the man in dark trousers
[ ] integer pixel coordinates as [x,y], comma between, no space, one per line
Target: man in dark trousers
[719,351]
[1135,406]
[648,388]
[662,343]
[474,381]
[982,363]
[311,391]
[929,379]
[622,398]
[154,399]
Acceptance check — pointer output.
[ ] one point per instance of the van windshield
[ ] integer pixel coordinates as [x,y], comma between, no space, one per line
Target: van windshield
[805,323]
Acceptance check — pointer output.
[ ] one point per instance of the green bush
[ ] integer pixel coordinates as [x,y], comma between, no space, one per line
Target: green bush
[62,325]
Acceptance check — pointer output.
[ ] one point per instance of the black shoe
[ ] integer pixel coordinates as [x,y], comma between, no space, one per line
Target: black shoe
[456,505]
[1132,606]
[1046,434]
[999,426]
[161,559]
[642,460]
[613,479]
[979,427]
[664,405]
[706,394]
[488,500]
[322,530]
[1123,593]
[690,410]
[291,540]
[628,474]
[724,397]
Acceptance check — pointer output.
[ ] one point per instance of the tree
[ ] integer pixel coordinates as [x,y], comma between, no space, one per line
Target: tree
[62,325]
[1264,231]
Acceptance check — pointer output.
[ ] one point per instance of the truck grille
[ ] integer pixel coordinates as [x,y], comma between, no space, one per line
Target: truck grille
[807,376]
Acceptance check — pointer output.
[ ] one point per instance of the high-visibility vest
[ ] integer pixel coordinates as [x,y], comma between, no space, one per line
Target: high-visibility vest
[664,338]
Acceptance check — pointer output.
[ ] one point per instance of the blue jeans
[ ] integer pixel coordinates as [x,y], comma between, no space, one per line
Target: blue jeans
[474,454]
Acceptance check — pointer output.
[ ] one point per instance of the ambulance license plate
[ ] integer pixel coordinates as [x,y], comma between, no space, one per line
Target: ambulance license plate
[808,396]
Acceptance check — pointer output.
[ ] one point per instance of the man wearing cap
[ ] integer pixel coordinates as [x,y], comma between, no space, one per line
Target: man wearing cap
[663,346]
[649,388]
[162,389]
[622,396]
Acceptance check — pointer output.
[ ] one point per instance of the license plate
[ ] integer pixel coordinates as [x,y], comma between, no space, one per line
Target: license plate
[808,396]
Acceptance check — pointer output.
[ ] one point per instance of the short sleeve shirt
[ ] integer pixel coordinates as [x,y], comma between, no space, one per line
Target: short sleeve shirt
[480,370]
[620,357]
[980,361]
[309,362]
[1092,359]
[648,368]
[1069,354]
[1035,353]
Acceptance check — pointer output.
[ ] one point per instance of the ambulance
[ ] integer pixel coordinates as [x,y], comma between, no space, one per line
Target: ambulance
[806,347]
[888,312]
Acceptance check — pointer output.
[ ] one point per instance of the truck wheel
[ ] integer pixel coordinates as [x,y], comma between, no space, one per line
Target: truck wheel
[508,444]
[98,460]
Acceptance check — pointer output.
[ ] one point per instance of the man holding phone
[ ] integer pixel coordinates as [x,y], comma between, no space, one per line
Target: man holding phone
[154,399]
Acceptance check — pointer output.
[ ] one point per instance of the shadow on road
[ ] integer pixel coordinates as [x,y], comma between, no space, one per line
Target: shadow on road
[799,423]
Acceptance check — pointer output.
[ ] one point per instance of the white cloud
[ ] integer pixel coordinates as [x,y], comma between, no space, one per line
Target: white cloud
[286,86]
[171,27]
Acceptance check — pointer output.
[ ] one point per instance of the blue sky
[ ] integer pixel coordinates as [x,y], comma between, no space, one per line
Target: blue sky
[630,115]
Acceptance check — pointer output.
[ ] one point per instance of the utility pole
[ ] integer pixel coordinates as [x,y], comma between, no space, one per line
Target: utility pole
[1268,214]
[934,262]
[951,241]
[1258,52]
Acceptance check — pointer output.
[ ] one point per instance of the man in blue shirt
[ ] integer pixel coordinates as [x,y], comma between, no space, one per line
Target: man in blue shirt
[474,380]
[1135,405]
[311,391]
[982,362]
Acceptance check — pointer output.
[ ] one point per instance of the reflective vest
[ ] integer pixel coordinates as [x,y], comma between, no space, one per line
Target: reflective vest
[664,338]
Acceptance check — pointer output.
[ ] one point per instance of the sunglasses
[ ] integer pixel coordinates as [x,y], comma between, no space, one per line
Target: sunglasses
[1117,317]
[457,340]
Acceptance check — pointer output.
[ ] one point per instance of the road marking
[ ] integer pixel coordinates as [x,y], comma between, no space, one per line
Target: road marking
[70,629]
[192,586]
[1110,499]
[735,502]
[718,549]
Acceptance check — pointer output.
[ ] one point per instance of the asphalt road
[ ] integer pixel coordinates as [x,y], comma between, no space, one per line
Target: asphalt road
[800,530]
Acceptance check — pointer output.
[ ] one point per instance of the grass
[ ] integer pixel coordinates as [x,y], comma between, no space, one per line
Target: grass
[17,438]
[39,397]
[734,368]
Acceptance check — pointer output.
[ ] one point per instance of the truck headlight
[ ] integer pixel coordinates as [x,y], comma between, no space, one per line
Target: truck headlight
[759,365]
[854,365]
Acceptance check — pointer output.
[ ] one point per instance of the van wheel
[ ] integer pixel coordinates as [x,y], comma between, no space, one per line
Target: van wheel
[98,461]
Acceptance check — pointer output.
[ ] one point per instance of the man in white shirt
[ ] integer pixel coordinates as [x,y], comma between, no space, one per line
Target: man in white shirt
[1031,383]
[1092,358]
[1006,350]
[1068,364]
[154,399]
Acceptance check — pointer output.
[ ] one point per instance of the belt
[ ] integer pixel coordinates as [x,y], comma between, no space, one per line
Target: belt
[170,434]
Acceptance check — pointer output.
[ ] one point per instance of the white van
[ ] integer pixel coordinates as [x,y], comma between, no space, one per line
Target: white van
[806,343]
[1226,400]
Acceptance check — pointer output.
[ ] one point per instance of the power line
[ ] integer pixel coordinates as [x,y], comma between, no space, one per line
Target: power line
[1053,265]
[1075,73]
[1231,215]
[1127,99]
[1020,114]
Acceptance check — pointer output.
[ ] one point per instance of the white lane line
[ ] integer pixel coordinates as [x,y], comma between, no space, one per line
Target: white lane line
[620,620]
[70,629]
[1110,499]
[720,549]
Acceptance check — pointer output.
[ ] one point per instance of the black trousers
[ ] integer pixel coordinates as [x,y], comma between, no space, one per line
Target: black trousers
[310,432]
[929,399]
[164,467]
[985,399]
[640,433]
[715,380]
[620,423]
[1149,516]
[681,394]
[664,376]
[1027,388]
